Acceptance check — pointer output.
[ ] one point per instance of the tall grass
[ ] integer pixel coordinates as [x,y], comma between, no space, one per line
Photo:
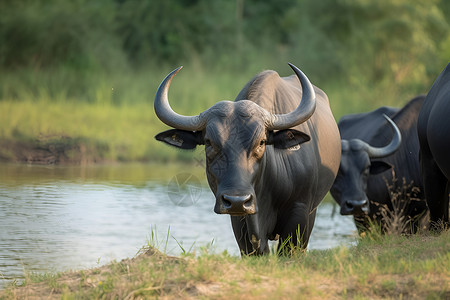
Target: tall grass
[114,116]
[89,70]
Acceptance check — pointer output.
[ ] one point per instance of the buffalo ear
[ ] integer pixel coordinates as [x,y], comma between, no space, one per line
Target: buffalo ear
[288,138]
[181,138]
[378,166]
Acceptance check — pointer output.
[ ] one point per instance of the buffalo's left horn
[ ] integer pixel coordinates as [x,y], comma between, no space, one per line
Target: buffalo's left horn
[303,111]
[166,114]
[393,146]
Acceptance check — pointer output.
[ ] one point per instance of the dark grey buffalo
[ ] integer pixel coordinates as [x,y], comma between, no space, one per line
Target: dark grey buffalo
[373,143]
[434,138]
[271,155]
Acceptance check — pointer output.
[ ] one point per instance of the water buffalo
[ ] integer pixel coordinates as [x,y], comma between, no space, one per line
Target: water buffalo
[433,128]
[370,147]
[271,155]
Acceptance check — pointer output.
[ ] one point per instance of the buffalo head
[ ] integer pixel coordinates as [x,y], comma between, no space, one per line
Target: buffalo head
[236,136]
[357,164]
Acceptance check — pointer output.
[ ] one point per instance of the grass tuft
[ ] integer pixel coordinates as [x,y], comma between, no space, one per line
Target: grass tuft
[384,266]
[397,219]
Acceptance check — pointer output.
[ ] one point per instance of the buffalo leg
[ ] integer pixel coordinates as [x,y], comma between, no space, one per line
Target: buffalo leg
[241,234]
[297,230]
[436,192]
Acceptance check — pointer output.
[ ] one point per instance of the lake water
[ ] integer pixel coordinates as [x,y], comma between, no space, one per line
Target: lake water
[56,218]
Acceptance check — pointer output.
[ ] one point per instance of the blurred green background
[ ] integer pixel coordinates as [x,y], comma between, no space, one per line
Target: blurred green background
[80,76]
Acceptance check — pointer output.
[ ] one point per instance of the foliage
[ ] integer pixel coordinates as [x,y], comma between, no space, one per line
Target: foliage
[385,40]
[45,34]
[103,59]
[399,39]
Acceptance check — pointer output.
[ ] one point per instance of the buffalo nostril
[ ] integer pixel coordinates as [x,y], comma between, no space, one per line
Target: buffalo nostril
[237,201]
[226,203]
[356,206]
[248,201]
[236,205]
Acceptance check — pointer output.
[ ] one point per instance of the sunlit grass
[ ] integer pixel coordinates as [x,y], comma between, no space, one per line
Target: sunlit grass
[378,267]
[114,117]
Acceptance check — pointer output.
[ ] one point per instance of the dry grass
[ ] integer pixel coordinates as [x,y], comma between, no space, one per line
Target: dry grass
[397,220]
[405,213]
[379,267]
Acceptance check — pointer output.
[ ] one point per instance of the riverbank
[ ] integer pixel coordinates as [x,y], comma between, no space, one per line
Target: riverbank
[42,132]
[114,121]
[378,267]
[58,150]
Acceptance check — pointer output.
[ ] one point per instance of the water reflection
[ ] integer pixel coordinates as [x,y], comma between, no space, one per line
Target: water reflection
[61,218]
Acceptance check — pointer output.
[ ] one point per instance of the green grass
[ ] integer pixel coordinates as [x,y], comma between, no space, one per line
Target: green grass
[113,117]
[378,267]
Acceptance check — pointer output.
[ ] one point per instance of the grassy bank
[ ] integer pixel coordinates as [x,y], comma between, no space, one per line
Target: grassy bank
[114,120]
[378,267]
[77,79]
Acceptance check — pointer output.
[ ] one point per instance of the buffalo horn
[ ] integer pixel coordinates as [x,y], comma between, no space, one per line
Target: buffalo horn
[305,109]
[375,152]
[166,114]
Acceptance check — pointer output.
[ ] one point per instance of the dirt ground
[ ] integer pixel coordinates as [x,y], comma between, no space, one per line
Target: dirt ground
[63,150]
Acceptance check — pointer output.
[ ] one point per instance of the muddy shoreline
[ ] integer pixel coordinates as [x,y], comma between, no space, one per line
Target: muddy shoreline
[49,151]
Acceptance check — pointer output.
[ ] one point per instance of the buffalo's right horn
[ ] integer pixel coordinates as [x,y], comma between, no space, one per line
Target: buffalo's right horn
[375,152]
[166,114]
[303,111]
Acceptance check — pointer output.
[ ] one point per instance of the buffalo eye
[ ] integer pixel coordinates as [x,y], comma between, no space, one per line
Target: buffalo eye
[366,171]
[259,151]
[210,149]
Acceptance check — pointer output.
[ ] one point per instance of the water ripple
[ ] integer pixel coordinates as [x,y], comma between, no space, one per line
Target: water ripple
[54,224]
